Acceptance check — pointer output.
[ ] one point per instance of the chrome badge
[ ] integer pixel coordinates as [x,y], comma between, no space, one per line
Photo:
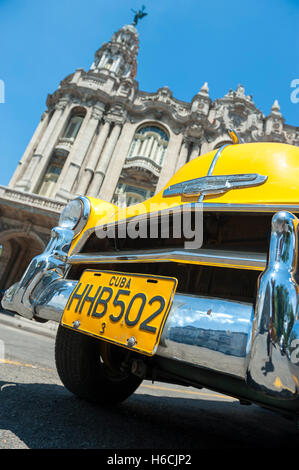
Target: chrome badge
[214,184]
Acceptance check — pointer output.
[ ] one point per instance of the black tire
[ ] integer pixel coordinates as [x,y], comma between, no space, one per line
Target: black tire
[83,372]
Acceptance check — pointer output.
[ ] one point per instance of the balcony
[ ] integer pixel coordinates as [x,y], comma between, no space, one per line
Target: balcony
[136,164]
[64,145]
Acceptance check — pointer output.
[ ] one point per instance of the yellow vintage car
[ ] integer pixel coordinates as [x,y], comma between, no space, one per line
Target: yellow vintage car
[196,286]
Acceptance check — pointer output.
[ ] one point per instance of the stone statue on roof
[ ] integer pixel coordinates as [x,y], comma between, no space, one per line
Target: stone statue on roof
[138,15]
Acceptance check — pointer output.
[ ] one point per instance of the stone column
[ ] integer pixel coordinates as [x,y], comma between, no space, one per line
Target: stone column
[169,162]
[154,150]
[206,147]
[116,64]
[102,61]
[93,159]
[143,147]
[195,151]
[23,163]
[78,152]
[137,148]
[149,147]
[105,160]
[117,161]
[183,155]
[44,148]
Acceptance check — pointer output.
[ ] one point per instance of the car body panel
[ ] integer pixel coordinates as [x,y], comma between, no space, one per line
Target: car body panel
[245,346]
[269,159]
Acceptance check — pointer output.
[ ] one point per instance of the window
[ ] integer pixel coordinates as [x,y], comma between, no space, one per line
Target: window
[128,195]
[51,176]
[109,63]
[121,70]
[142,166]
[150,142]
[73,127]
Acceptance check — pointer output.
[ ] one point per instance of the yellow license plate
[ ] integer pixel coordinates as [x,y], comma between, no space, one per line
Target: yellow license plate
[126,309]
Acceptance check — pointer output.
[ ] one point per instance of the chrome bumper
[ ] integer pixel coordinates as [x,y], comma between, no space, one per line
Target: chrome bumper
[41,274]
[257,344]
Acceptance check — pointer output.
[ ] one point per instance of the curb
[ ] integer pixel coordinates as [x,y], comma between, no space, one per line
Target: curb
[47,329]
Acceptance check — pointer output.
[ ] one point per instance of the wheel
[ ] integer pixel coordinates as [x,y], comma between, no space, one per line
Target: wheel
[80,366]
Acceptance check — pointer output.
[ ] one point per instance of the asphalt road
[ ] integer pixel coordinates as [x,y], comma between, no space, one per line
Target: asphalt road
[37,412]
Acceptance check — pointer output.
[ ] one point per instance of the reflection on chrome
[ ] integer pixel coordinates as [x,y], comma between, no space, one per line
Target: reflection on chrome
[273,367]
[42,271]
[208,332]
[259,346]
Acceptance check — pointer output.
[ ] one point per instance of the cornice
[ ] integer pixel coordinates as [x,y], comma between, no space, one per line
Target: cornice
[233,110]
[31,200]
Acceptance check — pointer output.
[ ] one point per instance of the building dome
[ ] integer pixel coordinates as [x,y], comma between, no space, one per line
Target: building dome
[119,55]
[131,28]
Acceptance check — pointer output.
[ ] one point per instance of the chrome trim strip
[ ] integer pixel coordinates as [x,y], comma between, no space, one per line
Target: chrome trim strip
[212,166]
[215,159]
[235,140]
[227,258]
[86,207]
[264,208]
[213,185]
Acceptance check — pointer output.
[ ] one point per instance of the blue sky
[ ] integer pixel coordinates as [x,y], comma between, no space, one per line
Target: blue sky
[182,45]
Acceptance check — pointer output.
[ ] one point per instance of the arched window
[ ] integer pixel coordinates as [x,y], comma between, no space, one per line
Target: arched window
[73,127]
[142,167]
[149,142]
[52,174]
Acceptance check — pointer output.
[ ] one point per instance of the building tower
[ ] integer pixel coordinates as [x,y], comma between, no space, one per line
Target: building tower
[71,149]
[102,136]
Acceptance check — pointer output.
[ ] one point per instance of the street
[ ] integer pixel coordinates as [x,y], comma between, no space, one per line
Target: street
[37,412]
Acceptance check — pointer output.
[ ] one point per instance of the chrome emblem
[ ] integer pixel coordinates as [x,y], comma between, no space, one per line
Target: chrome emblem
[214,184]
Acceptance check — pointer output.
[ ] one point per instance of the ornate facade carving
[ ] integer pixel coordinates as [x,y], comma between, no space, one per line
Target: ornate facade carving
[108,93]
[84,143]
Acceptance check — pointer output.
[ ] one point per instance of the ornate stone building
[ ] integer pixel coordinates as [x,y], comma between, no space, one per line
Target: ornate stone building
[102,136]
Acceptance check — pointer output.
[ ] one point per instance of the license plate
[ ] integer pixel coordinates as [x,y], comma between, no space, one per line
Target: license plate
[129,310]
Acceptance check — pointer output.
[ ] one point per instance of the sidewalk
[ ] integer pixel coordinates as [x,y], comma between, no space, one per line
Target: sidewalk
[16,321]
